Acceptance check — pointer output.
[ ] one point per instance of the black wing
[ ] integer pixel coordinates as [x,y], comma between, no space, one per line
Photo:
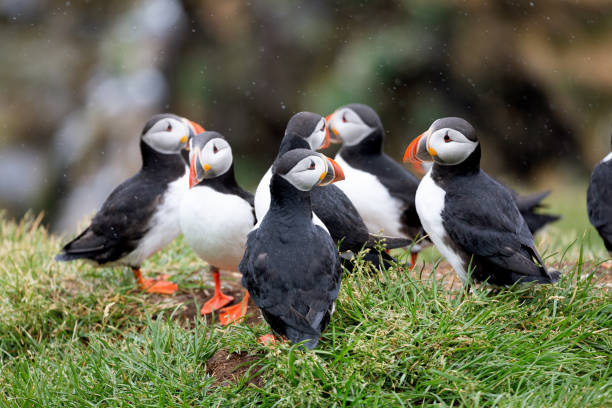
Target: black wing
[481,217]
[294,283]
[120,223]
[599,201]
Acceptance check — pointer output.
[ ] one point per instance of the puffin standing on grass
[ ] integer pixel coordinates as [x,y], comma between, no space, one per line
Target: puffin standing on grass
[471,218]
[333,210]
[599,201]
[291,266]
[379,187]
[140,216]
[216,215]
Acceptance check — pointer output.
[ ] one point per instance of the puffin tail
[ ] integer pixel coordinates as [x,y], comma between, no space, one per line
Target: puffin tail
[529,205]
[389,242]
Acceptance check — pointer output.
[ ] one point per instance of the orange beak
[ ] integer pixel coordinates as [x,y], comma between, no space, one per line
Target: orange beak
[417,152]
[334,172]
[333,138]
[196,127]
[193,179]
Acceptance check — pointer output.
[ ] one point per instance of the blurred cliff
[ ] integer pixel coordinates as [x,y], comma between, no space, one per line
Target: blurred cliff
[78,80]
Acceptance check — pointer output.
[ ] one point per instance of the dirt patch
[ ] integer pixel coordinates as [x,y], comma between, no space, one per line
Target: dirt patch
[231,368]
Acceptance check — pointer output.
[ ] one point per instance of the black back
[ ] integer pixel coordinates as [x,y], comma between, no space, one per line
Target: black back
[123,220]
[291,267]
[368,156]
[599,201]
[485,226]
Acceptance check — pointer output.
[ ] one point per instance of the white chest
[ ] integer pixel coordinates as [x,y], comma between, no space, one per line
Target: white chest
[262,201]
[429,202]
[163,226]
[216,225]
[380,211]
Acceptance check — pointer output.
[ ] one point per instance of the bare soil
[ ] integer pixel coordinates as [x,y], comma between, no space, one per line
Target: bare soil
[231,368]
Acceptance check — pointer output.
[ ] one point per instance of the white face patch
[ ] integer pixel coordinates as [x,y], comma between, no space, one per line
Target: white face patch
[317,137]
[607,158]
[348,126]
[451,146]
[307,173]
[217,154]
[167,135]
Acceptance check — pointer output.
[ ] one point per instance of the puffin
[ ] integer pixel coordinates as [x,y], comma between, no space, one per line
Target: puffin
[333,210]
[140,216]
[291,266]
[215,216]
[599,200]
[381,189]
[472,219]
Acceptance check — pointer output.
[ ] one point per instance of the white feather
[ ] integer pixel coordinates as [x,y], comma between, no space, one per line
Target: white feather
[216,225]
[163,226]
[607,158]
[380,211]
[429,202]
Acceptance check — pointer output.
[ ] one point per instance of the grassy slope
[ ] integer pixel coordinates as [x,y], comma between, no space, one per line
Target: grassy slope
[72,335]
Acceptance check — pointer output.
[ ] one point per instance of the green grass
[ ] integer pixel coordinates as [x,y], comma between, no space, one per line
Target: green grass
[74,336]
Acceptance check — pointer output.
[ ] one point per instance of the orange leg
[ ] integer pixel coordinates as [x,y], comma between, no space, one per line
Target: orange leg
[159,285]
[219,299]
[234,314]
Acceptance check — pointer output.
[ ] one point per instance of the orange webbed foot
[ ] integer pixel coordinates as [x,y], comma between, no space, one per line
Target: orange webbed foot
[234,314]
[267,339]
[217,302]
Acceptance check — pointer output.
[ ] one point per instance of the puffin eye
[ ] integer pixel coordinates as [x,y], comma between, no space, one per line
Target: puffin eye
[169,127]
[447,138]
[215,150]
[323,127]
[344,117]
[312,165]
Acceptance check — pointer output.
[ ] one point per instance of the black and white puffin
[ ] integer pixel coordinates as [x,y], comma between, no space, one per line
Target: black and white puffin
[599,200]
[140,216]
[471,218]
[379,187]
[216,215]
[333,210]
[291,266]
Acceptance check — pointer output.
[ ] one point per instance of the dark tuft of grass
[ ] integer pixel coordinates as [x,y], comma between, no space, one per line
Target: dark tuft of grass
[73,336]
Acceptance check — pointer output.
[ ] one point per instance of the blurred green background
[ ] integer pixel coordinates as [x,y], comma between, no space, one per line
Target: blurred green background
[79,78]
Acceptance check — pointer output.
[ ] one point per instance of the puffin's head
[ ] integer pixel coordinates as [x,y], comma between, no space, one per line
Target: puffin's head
[448,141]
[210,156]
[310,127]
[352,123]
[305,169]
[167,133]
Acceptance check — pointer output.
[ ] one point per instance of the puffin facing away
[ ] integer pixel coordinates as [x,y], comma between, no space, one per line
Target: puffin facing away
[471,218]
[216,215]
[379,187]
[140,216]
[599,200]
[332,208]
[291,266]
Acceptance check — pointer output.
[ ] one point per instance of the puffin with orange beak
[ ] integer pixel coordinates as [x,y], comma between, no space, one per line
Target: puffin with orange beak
[331,208]
[291,266]
[472,219]
[216,215]
[140,216]
[379,187]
